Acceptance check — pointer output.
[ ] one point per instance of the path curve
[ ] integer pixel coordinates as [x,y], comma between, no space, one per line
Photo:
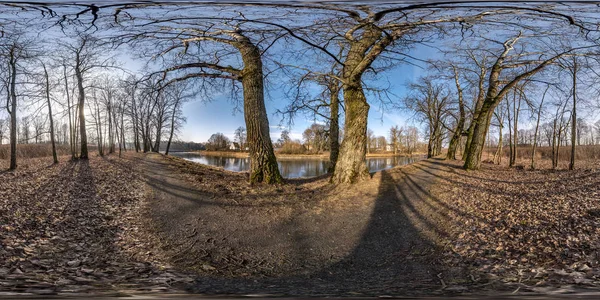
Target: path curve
[382,236]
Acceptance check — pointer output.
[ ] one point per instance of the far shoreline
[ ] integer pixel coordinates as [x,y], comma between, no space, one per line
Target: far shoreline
[324,155]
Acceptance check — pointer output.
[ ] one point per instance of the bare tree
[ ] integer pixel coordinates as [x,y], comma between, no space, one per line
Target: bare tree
[460,123]
[537,126]
[217,141]
[396,138]
[50,117]
[83,56]
[177,96]
[223,36]
[240,137]
[39,128]
[499,84]
[430,101]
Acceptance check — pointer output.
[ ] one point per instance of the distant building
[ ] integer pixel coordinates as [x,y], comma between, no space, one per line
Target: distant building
[234,146]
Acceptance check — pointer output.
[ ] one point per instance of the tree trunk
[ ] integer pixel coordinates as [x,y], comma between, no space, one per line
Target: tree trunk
[517,109]
[537,127]
[431,141]
[156,147]
[351,166]
[13,111]
[50,115]
[173,129]
[498,154]
[574,117]
[334,126]
[460,124]
[554,144]
[454,141]
[99,131]
[71,135]
[263,164]
[480,128]
[111,142]
[81,105]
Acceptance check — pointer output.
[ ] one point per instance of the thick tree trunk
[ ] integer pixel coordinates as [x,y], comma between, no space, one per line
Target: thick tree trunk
[431,141]
[54,156]
[460,124]
[480,128]
[263,164]
[438,144]
[351,166]
[476,112]
[455,140]
[334,126]
[156,147]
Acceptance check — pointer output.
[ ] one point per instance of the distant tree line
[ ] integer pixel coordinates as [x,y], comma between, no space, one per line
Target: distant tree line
[497,61]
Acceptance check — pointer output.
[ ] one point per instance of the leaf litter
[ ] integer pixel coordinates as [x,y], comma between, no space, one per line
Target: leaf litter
[75,227]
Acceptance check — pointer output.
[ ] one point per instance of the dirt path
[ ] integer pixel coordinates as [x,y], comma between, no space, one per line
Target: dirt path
[382,236]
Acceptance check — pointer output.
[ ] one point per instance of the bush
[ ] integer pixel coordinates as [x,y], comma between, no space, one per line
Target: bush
[292,147]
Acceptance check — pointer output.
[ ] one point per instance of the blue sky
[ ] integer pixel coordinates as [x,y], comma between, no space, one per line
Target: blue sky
[207,118]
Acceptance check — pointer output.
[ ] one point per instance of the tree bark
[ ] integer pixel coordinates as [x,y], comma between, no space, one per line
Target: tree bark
[537,126]
[351,165]
[54,156]
[574,117]
[498,154]
[460,124]
[480,128]
[81,105]
[334,126]
[71,135]
[13,110]
[263,164]
[173,128]
[476,111]
[99,131]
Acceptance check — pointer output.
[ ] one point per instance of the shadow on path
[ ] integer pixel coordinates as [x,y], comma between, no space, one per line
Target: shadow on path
[394,239]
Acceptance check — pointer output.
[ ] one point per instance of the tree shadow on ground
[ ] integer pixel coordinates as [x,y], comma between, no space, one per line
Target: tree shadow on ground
[397,252]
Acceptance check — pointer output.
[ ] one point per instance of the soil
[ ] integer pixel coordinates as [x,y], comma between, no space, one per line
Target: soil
[306,237]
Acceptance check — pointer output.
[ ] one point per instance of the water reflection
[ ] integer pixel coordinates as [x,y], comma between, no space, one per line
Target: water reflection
[293,167]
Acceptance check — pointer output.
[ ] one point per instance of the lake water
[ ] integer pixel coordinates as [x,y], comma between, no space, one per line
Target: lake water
[293,167]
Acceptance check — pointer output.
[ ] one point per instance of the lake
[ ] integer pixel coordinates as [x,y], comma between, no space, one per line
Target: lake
[293,167]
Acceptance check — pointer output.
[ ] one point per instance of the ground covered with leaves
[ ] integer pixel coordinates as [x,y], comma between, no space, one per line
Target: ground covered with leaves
[75,227]
[150,223]
[528,228]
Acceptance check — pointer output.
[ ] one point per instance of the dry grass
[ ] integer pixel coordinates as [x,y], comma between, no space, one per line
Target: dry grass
[33,150]
[524,153]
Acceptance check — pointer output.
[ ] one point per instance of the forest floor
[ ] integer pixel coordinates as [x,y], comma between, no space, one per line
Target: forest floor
[150,223]
[74,228]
